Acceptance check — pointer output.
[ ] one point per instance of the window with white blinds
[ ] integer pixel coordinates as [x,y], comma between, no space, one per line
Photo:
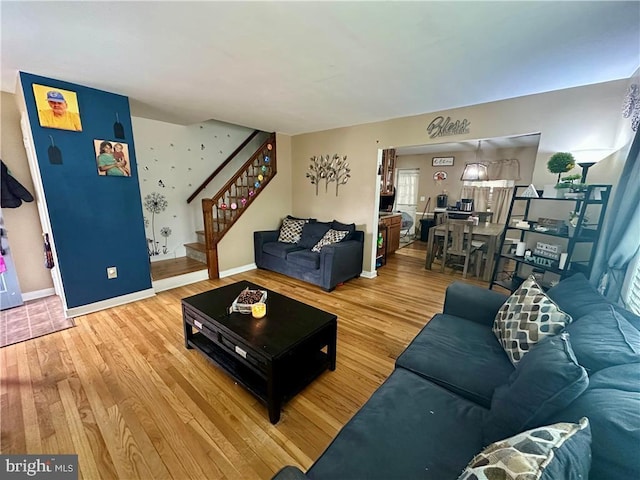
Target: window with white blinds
[631,287]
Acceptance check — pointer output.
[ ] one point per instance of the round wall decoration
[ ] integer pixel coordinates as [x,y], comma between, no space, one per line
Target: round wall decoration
[440,175]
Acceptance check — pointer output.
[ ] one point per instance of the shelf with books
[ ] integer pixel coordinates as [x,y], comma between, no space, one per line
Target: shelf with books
[569,242]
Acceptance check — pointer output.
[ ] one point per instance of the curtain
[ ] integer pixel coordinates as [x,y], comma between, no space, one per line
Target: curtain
[480,196]
[501,202]
[505,169]
[407,186]
[620,238]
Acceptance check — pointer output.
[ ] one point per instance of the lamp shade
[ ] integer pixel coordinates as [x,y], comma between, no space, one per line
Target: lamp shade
[588,158]
[475,172]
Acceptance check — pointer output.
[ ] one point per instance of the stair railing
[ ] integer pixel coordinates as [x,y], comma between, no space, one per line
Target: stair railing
[222,165]
[222,210]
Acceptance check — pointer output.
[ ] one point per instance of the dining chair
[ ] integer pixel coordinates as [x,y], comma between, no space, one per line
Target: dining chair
[459,246]
[484,217]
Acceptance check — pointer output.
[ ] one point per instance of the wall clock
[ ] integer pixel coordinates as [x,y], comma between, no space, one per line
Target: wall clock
[440,175]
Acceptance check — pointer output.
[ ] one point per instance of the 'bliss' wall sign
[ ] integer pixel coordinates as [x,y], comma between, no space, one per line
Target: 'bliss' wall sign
[443,127]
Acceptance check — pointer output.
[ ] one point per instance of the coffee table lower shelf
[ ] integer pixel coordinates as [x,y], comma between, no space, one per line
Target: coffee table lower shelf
[294,373]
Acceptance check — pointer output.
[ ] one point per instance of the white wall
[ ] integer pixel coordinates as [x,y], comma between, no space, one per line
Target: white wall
[173,160]
[568,120]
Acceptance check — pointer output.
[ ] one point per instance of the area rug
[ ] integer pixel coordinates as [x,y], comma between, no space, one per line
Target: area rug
[33,319]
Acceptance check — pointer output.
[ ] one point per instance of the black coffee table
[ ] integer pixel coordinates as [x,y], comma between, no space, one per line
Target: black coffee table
[273,357]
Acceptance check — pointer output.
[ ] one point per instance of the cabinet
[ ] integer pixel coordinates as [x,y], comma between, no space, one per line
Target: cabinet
[387,171]
[393,222]
[555,248]
[381,249]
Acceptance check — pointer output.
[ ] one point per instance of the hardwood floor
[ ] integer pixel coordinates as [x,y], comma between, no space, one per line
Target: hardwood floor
[122,392]
[175,266]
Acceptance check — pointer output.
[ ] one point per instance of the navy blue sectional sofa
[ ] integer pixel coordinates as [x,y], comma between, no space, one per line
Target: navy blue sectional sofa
[334,264]
[429,418]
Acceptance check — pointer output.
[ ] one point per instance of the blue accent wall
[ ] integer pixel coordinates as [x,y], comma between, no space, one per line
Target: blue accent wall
[97,221]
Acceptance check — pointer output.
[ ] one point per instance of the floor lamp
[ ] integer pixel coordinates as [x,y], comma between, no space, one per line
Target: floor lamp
[588,158]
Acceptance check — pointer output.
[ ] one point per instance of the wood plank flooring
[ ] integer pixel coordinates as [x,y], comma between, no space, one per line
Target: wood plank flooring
[122,392]
[175,266]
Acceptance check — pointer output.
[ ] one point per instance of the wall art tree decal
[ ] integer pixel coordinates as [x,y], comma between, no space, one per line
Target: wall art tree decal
[155,203]
[330,169]
[165,232]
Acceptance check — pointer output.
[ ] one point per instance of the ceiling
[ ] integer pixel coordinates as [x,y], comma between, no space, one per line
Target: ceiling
[296,67]
[469,146]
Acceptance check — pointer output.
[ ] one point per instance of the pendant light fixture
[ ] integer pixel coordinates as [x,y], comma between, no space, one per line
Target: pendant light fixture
[475,171]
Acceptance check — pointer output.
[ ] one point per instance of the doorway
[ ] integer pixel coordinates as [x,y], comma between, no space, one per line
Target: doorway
[407,182]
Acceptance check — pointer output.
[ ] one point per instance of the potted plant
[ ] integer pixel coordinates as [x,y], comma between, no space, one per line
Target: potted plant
[560,162]
[575,189]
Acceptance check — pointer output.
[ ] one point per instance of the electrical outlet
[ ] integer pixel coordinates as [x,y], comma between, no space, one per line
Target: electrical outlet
[422,199]
[112,272]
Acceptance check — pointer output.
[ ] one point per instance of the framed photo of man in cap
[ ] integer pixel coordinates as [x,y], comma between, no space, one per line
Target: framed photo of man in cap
[57,108]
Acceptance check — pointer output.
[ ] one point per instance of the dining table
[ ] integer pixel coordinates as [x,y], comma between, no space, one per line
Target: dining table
[489,233]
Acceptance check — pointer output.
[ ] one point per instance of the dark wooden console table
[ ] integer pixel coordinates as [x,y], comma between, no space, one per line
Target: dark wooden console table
[274,357]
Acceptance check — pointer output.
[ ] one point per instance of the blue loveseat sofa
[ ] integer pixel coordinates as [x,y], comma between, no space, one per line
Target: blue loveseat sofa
[333,264]
[433,414]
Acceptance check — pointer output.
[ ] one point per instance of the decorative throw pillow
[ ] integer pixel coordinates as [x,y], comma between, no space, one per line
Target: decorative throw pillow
[561,450]
[349,227]
[546,380]
[291,230]
[312,233]
[527,317]
[332,236]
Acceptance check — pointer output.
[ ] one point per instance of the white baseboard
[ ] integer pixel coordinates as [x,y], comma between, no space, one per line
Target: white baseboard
[235,271]
[109,303]
[180,280]
[47,292]
[367,274]
[164,256]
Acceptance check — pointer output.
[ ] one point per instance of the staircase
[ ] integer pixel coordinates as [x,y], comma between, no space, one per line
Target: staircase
[227,206]
[197,250]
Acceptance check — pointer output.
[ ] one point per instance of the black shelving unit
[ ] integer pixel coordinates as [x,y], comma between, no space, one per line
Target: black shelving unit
[580,244]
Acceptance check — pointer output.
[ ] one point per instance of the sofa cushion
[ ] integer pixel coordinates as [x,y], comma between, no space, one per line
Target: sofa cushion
[410,428]
[462,355]
[603,339]
[305,258]
[621,377]
[349,227]
[291,230]
[614,415]
[329,238]
[527,317]
[558,451]
[578,298]
[545,381]
[312,233]
[279,249]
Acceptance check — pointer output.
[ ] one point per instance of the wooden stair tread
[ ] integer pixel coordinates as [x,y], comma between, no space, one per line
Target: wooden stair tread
[196,246]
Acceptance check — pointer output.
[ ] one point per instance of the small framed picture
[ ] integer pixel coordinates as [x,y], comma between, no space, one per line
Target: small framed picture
[57,108]
[442,161]
[112,158]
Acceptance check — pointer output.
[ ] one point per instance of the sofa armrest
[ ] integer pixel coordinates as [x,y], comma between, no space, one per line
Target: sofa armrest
[473,303]
[290,473]
[259,239]
[340,262]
